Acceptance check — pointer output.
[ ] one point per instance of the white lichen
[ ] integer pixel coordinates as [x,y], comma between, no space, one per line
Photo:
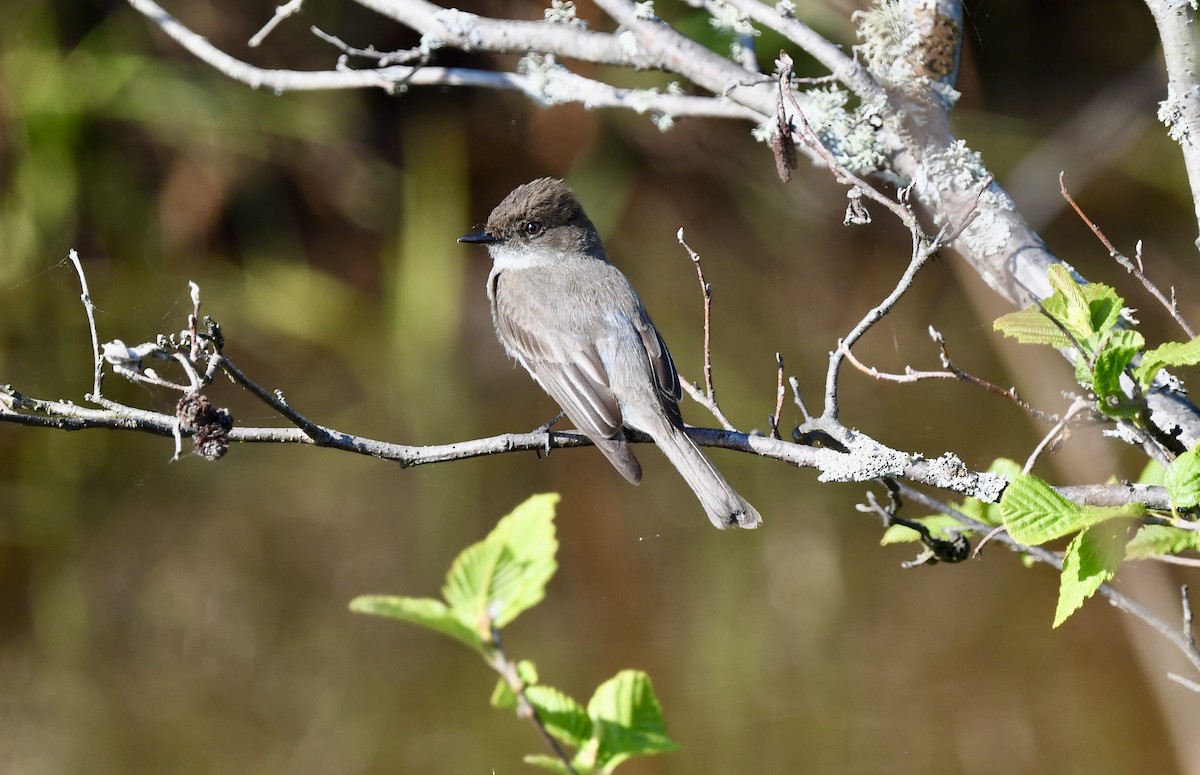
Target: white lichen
[539,70]
[459,24]
[644,11]
[848,134]
[563,12]
[765,130]
[728,19]
[888,41]
[1170,113]
[628,42]
[909,49]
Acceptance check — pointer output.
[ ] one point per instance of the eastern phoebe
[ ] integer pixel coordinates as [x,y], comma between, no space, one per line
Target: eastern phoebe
[575,323]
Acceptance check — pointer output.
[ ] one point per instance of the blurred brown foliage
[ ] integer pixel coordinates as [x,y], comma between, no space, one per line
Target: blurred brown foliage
[190,617]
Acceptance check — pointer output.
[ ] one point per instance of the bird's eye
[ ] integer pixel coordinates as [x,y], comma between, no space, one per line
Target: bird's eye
[534,228]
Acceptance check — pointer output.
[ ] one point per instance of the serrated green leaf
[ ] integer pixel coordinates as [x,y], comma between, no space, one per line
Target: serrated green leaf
[1085,310]
[937,524]
[1169,354]
[563,717]
[1183,480]
[496,579]
[1068,304]
[429,613]
[1155,540]
[1111,363]
[1091,559]
[627,720]
[1030,326]
[1034,513]
[1104,305]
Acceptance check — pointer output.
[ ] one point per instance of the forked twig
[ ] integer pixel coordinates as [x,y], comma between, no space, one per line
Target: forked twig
[950,371]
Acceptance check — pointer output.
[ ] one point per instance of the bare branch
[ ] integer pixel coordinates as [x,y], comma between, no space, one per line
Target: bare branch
[779,394]
[90,310]
[1181,110]
[920,256]
[281,13]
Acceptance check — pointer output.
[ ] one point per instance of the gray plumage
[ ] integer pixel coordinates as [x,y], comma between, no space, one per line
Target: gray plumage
[575,323]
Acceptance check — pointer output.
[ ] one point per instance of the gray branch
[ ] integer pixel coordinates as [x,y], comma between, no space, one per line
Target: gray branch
[1176,20]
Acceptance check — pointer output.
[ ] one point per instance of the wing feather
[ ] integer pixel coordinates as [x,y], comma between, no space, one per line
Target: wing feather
[566,365]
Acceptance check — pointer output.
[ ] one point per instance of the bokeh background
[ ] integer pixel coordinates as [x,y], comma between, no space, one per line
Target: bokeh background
[190,617]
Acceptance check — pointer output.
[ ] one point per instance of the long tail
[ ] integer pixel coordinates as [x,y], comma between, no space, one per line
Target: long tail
[725,508]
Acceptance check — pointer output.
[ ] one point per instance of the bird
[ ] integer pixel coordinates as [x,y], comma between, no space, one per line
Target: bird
[573,320]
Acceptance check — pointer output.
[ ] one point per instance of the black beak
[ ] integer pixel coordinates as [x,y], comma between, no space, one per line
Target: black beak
[481,238]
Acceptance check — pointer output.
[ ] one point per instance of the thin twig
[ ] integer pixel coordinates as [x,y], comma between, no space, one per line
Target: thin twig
[507,670]
[1051,437]
[951,372]
[1135,270]
[798,400]
[701,398]
[807,135]
[1187,683]
[779,394]
[281,13]
[319,435]
[383,58]
[920,256]
[90,310]
[1186,602]
[706,291]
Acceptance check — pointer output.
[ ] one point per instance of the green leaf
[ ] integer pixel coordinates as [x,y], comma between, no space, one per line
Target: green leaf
[1034,513]
[1183,480]
[1091,559]
[563,717]
[1169,354]
[1111,362]
[1030,326]
[938,525]
[1104,305]
[493,581]
[628,720]
[1067,304]
[1084,311]
[431,614]
[1154,540]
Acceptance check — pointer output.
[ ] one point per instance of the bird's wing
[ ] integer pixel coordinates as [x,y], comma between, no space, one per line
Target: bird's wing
[567,366]
[666,378]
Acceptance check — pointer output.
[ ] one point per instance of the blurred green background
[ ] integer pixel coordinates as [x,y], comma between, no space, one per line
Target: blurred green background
[190,617]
